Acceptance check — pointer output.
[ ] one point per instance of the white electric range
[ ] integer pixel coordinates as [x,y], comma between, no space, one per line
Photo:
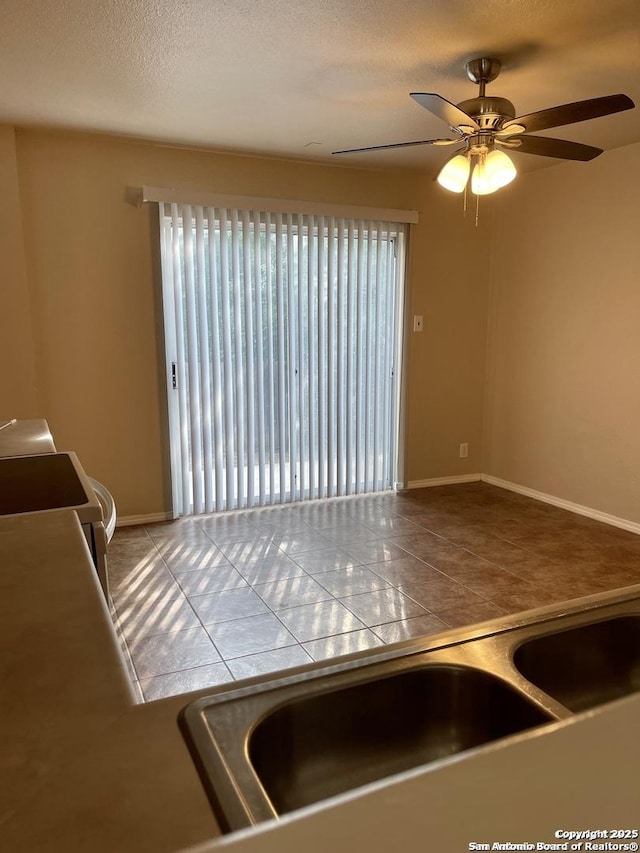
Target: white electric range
[34,477]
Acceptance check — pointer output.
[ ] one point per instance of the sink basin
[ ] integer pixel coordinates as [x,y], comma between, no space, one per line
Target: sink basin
[317,747]
[265,750]
[45,482]
[585,666]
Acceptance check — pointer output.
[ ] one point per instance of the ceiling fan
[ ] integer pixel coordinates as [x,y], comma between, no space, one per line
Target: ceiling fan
[485,127]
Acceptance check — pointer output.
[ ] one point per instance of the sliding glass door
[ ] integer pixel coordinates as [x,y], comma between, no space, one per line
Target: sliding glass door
[282,342]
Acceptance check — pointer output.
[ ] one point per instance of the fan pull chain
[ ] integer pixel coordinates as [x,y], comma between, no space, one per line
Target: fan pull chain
[477,209]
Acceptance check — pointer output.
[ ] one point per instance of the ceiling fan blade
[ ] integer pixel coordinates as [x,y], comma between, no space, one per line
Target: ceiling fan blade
[399,145]
[444,109]
[571,113]
[546,147]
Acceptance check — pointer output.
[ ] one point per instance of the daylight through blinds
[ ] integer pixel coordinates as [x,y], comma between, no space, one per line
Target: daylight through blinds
[281,346]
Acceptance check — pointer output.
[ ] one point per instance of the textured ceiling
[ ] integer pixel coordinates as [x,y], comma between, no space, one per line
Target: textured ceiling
[299,79]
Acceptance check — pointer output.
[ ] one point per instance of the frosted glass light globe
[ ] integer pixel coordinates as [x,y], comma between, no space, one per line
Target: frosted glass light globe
[454,174]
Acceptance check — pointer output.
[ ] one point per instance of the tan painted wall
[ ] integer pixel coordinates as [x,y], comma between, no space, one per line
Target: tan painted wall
[90,256]
[450,285]
[18,394]
[563,398]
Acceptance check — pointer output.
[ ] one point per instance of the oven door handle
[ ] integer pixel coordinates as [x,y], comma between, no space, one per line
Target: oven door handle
[108,506]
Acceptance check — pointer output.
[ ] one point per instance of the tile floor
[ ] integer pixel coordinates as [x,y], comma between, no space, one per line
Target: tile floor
[209,599]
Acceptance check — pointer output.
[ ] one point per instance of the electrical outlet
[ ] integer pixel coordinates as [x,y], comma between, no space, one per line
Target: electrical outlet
[417,322]
[464,450]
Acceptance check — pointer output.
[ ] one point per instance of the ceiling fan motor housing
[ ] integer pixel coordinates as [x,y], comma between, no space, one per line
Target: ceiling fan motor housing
[489,113]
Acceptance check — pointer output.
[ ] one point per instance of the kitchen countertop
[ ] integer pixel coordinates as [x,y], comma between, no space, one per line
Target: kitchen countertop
[81,766]
[84,768]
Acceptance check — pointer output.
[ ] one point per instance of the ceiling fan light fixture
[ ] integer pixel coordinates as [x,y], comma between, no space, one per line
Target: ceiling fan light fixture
[492,172]
[479,182]
[455,174]
[500,169]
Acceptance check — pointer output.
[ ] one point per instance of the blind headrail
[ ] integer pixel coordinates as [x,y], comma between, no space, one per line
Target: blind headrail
[275,205]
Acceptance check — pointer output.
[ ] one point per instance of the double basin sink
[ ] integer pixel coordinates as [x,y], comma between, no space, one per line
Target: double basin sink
[270,747]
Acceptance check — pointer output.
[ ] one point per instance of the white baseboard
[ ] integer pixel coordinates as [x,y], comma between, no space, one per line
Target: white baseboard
[444,481]
[132,520]
[579,509]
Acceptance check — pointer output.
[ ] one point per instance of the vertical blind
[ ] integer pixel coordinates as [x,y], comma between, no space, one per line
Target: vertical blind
[281,343]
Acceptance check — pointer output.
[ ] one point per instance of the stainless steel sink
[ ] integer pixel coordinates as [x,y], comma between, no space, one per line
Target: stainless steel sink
[269,746]
[585,666]
[316,747]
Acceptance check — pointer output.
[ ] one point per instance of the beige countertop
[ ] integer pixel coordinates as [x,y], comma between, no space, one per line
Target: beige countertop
[81,766]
